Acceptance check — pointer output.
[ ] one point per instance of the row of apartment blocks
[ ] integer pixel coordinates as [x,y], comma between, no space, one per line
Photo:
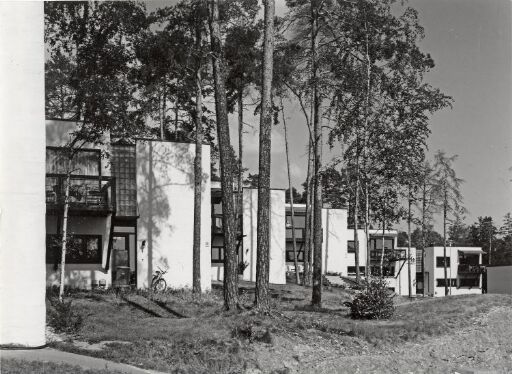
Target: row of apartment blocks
[132,214]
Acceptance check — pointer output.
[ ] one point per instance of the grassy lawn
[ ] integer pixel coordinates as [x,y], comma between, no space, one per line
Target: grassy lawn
[12,366]
[175,332]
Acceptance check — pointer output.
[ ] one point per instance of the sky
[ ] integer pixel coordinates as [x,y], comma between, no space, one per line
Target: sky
[470,42]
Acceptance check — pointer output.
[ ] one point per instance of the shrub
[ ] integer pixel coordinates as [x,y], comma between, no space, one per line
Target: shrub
[375,301]
[63,318]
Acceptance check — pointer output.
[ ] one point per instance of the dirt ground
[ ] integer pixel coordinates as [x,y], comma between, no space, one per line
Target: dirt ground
[484,347]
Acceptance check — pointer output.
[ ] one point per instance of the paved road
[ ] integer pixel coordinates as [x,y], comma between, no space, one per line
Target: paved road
[86,362]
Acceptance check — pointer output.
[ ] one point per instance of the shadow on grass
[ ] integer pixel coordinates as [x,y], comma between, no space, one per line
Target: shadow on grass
[140,307]
[164,306]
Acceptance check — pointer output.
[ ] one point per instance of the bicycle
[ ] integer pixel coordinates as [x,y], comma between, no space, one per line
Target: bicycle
[158,284]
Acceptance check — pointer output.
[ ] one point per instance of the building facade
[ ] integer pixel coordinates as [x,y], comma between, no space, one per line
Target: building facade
[464,270]
[338,248]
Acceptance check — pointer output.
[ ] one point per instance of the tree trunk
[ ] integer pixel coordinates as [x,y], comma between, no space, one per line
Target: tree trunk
[316,299]
[409,219]
[226,170]
[366,228]
[162,115]
[263,236]
[290,189]
[383,238]
[423,239]
[240,157]
[356,223]
[308,239]
[445,213]
[65,231]
[198,174]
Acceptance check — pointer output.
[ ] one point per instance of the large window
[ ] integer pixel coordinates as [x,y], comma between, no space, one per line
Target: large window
[124,170]
[470,282]
[376,243]
[80,249]
[289,252]
[351,270]
[451,282]
[85,161]
[440,260]
[299,221]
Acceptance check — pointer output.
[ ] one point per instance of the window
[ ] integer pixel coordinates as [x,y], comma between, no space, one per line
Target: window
[351,270]
[387,271]
[299,234]
[80,249]
[290,255]
[124,170]
[351,246]
[85,161]
[440,262]
[376,243]
[470,282]
[451,282]
[217,254]
[299,221]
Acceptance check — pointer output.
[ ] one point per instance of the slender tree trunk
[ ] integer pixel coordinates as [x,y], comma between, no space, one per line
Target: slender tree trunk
[198,173]
[308,239]
[356,222]
[290,189]
[316,299]
[383,238]
[162,115]
[366,228]
[65,231]
[176,120]
[409,219]
[226,170]
[263,236]
[445,213]
[423,239]
[240,157]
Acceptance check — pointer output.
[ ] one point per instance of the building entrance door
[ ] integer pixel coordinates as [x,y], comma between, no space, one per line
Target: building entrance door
[121,260]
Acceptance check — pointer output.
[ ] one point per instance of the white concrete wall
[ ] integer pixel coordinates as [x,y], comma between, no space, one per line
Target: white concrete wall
[22,172]
[165,195]
[400,281]
[499,279]
[452,272]
[277,259]
[83,275]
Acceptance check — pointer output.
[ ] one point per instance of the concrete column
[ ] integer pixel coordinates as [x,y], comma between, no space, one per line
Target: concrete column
[22,175]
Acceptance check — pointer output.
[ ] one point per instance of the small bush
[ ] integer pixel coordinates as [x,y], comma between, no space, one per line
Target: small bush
[374,302]
[63,318]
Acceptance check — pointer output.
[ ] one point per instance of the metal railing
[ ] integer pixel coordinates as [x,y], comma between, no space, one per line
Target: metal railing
[85,192]
[471,269]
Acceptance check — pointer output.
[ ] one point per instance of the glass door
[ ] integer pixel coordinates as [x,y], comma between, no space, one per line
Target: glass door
[121,273]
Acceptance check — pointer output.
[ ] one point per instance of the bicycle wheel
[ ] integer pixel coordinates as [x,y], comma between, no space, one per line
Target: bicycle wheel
[160,285]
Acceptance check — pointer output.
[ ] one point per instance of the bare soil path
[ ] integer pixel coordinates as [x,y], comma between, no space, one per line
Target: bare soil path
[484,347]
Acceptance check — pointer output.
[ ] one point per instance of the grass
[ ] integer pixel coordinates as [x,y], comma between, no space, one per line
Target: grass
[12,366]
[197,336]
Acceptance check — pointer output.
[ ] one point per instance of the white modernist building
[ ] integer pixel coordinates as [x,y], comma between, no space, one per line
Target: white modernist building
[132,214]
[338,248]
[464,270]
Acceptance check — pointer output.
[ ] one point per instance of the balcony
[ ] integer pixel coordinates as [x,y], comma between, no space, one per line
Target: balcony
[88,195]
[471,269]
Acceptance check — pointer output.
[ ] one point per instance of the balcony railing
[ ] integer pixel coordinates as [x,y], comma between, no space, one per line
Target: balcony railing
[471,269]
[88,193]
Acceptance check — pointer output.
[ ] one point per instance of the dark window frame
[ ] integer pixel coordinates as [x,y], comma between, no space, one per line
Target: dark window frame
[53,252]
[440,263]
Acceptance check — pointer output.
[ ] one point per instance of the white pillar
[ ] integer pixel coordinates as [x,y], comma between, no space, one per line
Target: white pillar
[22,175]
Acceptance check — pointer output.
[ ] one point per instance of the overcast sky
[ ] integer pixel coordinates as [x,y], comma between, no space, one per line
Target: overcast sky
[470,41]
